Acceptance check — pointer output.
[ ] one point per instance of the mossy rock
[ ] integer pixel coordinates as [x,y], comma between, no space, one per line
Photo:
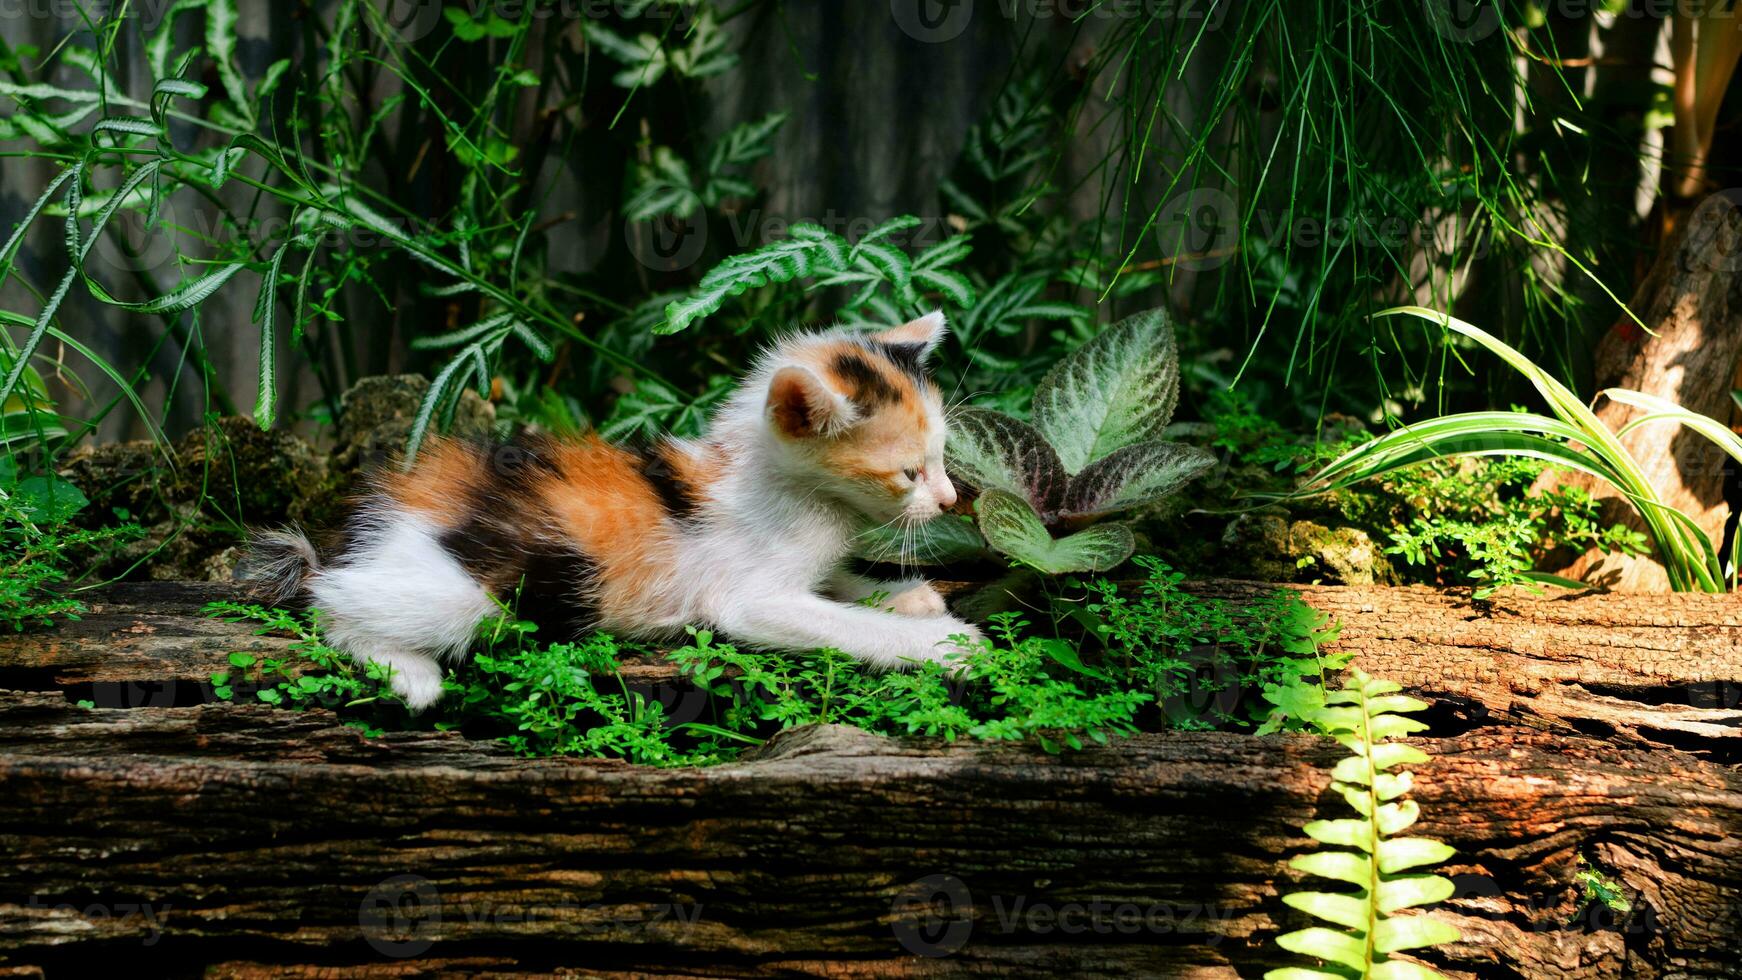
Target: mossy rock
[376,416]
[256,475]
[1275,547]
[194,499]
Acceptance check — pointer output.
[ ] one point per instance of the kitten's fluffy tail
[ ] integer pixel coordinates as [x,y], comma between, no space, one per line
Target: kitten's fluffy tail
[278,563]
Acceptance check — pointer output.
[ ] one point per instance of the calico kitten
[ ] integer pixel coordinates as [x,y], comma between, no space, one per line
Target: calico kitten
[743,530]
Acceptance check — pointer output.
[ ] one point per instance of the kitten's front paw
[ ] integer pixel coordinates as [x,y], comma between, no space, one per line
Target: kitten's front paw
[951,652]
[921,600]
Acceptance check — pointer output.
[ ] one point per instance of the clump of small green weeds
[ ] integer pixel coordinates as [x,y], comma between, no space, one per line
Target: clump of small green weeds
[1152,644]
[311,675]
[1486,521]
[1597,888]
[1199,657]
[39,547]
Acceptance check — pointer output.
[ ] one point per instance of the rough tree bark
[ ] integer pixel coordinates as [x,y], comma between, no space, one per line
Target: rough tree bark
[1692,301]
[268,843]
[248,841]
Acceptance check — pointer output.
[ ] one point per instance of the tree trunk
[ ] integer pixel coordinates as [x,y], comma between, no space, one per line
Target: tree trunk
[1692,301]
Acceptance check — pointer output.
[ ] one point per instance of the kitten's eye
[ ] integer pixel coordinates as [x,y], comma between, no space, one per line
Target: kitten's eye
[911,474]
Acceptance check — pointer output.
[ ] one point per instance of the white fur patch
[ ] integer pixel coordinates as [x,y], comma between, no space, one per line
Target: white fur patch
[398,598]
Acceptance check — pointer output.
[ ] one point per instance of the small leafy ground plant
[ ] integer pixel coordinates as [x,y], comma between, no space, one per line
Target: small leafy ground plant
[40,547]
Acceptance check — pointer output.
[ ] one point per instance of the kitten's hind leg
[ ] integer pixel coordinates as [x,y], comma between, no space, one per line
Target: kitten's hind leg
[398,598]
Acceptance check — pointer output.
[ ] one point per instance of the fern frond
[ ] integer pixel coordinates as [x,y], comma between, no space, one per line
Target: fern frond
[810,251]
[1365,851]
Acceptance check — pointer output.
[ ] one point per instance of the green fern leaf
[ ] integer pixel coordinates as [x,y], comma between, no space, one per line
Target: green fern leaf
[1410,891]
[1361,717]
[1344,910]
[1402,970]
[1394,817]
[1412,932]
[810,251]
[1326,944]
[1341,833]
[1403,853]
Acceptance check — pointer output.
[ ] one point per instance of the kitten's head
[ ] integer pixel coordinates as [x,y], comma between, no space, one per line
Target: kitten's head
[857,415]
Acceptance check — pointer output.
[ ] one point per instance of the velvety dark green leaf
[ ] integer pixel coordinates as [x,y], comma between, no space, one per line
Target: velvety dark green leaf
[993,451]
[1134,476]
[1117,390]
[1013,528]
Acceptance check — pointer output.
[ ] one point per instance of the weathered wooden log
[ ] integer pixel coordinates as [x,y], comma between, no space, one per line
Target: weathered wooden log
[1657,669]
[250,841]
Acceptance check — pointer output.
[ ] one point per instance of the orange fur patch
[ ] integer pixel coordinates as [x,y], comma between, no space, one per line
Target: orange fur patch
[602,504]
[439,485]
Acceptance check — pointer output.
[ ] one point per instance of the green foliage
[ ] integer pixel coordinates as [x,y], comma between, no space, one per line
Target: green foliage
[1488,521]
[1595,886]
[1479,520]
[1157,645]
[1573,438]
[314,675]
[887,281]
[1365,853]
[40,547]
[1336,154]
[941,541]
[665,186]
[1092,451]
[1200,658]
[1013,528]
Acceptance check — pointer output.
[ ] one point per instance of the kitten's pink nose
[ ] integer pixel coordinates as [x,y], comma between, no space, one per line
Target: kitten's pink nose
[946,493]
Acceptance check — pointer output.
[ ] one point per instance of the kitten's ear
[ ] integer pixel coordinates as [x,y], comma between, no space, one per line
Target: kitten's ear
[921,336]
[801,406]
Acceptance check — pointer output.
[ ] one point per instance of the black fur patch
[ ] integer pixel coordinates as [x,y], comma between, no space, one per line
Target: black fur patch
[496,544]
[552,592]
[908,357]
[674,492]
[870,387]
[487,544]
